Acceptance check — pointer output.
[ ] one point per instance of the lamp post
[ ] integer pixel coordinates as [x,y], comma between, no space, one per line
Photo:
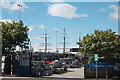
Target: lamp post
[16,61]
[96,59]
[19,5]
[30,59]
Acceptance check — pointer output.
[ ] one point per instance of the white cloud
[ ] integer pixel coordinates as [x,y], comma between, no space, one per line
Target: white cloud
[64,10]
[31,28]
[36,47]
[56,29]
[101,10]
[6,20]
[114,15]
[12,6]
[54,0]
[42,26]
[102,25]
[38,38]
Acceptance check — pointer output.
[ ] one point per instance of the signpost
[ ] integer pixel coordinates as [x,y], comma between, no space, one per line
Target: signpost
[24,63]
[17,59]
[17,55]
[96,59]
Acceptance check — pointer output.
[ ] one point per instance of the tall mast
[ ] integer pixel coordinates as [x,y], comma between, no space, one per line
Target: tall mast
[45,44]
[79,39]
[64,38]
[46,41]
[56,42]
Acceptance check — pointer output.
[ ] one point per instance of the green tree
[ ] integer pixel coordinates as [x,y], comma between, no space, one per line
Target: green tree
[13,34]
[104,43]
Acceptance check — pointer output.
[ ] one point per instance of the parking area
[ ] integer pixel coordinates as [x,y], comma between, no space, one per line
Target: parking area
[71,73]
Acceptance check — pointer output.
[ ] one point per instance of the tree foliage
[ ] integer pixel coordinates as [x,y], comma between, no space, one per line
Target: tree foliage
[13,34]
[104,43]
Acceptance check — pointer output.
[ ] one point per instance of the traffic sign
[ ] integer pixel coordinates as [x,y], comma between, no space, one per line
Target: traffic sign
[17,52]
[95,57]
[17,57]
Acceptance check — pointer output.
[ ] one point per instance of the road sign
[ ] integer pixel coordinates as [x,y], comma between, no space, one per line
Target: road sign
[17,57]
[17,53]
[24,58]
[95,57]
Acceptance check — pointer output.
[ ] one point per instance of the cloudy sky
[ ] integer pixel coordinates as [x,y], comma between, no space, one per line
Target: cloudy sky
[76,17]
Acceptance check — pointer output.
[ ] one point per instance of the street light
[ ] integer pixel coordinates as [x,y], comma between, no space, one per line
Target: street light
[30,59]
[19,5]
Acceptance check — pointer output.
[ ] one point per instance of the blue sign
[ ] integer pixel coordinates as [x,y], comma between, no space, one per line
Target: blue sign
[24,71]
[87,65]
[101,65]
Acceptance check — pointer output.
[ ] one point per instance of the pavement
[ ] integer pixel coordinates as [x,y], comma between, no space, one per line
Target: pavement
[71,74]
[48,78]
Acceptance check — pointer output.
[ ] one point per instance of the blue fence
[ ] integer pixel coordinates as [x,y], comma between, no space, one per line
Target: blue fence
[100,65]
[24,71]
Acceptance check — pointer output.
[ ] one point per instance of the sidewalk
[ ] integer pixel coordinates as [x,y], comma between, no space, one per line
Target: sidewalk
[71,73]
[49,78]
[13,76]
[99,79]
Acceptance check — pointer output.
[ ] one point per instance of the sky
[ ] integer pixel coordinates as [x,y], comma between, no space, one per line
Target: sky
[75,17]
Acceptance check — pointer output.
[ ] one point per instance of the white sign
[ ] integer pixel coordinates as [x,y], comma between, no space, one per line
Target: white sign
[17,57]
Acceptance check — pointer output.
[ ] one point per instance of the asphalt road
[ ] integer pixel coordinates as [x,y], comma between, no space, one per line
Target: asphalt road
[47,78]
[71,74]
[37,78]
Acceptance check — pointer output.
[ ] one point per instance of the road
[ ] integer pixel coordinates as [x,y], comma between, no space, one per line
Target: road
[72,74]
[47,78]
[36,78]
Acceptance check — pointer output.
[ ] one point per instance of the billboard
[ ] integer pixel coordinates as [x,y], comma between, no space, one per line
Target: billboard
[101,65]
